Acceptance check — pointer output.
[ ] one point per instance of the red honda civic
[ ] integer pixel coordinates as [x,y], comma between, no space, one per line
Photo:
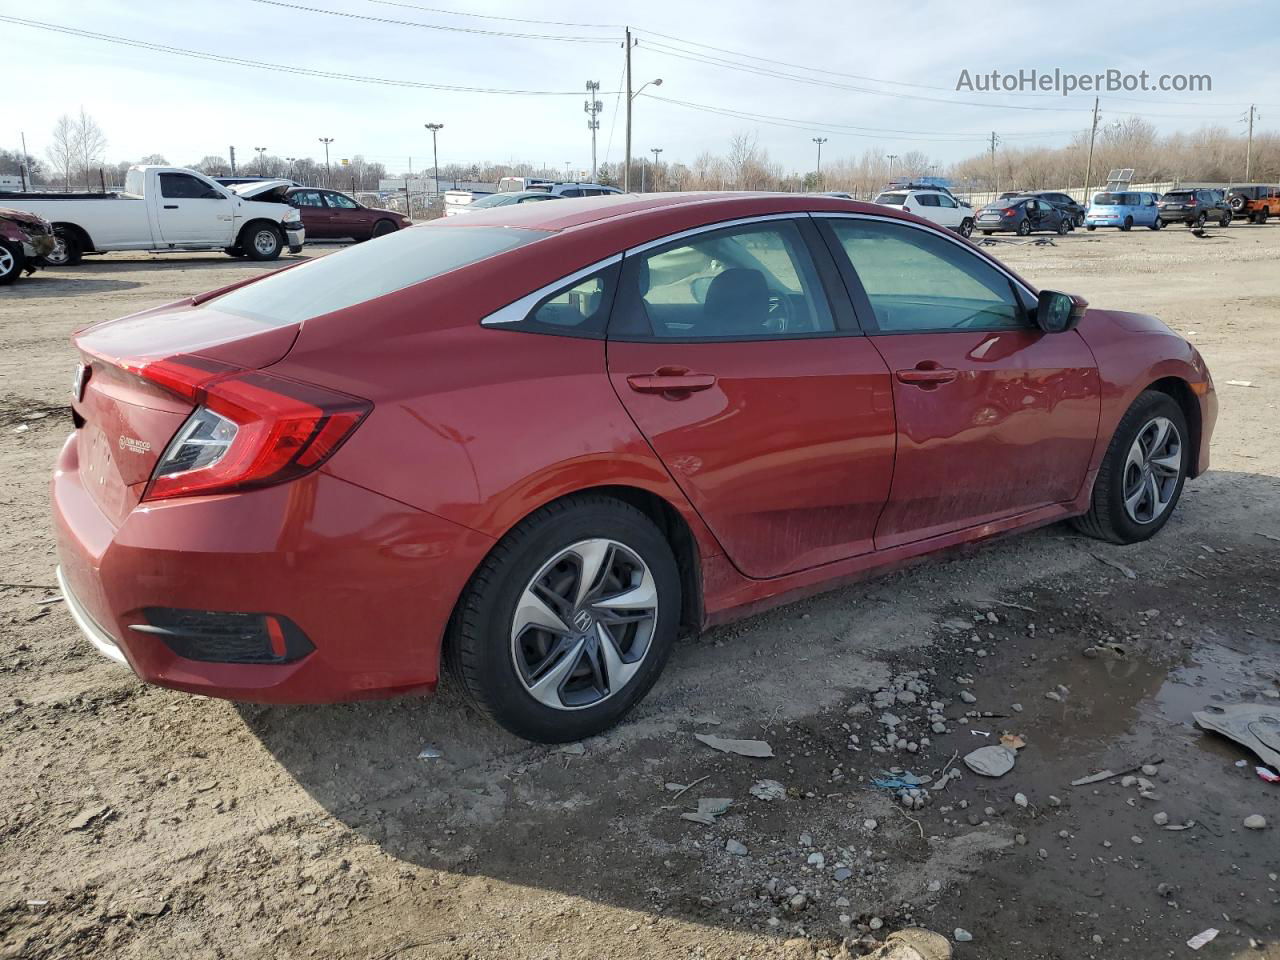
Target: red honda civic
[541,442]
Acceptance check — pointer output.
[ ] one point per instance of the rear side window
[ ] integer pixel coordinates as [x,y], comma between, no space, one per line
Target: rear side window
[741,283]
[341,202]
[571,192]
[580,309]
[367,271]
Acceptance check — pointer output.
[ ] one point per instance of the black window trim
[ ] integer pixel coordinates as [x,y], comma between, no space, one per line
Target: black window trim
[843,315]
[862,303]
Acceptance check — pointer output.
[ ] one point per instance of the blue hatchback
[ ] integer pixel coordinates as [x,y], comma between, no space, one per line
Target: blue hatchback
[1123,210]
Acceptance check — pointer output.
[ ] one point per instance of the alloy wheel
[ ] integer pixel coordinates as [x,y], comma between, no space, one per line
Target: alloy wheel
[584,624]
[8,263]
[1152,471]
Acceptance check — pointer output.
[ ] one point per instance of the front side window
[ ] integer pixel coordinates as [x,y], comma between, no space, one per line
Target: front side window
[341,202]
[927,199]
[183,186]
[750,282]
[917,281]
[367,271]
[945,201]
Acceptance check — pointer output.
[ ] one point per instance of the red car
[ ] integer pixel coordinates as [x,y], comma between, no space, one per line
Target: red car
[330,215]
[540,442]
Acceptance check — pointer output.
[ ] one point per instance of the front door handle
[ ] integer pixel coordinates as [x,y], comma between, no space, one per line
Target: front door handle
[670,380]
[171,206]
[927,376]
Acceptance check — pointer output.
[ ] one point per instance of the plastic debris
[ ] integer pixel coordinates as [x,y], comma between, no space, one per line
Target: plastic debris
[991,761]
[768,790]
[743,748]
[430,753]
[708,809]
[900,781]
[1200,939]
[1014,741]
[1240,383]
[1256,726]
[1267,775]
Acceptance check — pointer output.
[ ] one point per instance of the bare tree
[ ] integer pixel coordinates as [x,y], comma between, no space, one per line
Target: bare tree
[62,149]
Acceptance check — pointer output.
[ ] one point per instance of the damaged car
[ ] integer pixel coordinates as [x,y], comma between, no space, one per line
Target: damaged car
[25,240]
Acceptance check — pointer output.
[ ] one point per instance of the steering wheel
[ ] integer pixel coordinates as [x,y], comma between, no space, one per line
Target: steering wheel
[779,317]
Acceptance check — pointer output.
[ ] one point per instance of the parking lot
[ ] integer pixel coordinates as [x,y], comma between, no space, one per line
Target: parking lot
[144,823]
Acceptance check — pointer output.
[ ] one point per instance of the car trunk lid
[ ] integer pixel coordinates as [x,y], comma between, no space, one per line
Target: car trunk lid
[132,389]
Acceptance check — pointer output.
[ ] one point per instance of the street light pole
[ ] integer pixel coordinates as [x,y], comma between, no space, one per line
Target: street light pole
[292,161]
[655,151]
[891,157]
[435,158]
[326,141]
[819,141]
[262,160]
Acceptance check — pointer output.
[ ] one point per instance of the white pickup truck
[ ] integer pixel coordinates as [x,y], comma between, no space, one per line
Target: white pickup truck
[165,209]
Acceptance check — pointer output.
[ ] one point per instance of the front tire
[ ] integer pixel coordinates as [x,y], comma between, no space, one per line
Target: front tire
[1064,227]
[12,260]
[382,228]
[1202,219]
[261,241]
[1142,474]
[569,621]
[1024,228]
[1156,224]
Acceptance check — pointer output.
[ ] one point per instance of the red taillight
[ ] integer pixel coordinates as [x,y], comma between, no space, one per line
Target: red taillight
[1191,202]
[1009,211]
[283,428]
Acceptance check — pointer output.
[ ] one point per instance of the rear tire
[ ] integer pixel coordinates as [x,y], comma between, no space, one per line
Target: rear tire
[1260,217]
[987,233]
[505,658]
[1127,225]
[1091,227]
[261,241]
[12,260]
[966,227]
[1127,472]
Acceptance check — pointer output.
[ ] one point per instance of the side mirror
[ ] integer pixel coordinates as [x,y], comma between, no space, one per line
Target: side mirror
[1059,312]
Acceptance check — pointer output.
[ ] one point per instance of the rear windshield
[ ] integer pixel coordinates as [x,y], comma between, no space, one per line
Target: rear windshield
[1179,194]
[494,200]
[892,199]
[1116,199]
[368,270]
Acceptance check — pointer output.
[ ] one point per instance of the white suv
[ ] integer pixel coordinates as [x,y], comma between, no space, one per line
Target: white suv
[936,205]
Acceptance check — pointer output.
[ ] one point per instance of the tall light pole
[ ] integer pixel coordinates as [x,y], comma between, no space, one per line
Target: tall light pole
[262,160]
[435,157]
[326,141]
[593,107]
[891,157]
[626,170]
[1248,150]
[567,174]
[292,161]
[819,141]
[655,151]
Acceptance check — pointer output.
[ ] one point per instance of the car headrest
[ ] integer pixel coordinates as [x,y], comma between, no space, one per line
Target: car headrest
[737,302]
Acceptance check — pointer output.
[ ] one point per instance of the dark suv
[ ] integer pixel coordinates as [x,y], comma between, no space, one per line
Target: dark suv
[1194,207]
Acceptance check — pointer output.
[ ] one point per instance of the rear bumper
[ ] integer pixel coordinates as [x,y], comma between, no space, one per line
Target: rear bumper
[370,581]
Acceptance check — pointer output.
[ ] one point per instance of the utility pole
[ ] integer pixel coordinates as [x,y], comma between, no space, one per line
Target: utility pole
[995,173]
[626,168]
[262,160]
[1248,150]
[26,163]
[819,141]
[593,108]
[326,141]
[891,157]
[1088,167]
[233,160]
[655,151]
[435,157]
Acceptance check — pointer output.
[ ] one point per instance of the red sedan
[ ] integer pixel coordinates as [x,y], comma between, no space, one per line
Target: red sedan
[539,443]
[330,215]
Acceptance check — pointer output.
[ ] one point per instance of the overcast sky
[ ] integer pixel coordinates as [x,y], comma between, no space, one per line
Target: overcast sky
[148,101]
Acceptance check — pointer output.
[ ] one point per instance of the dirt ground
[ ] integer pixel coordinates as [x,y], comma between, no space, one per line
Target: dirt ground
[136,822]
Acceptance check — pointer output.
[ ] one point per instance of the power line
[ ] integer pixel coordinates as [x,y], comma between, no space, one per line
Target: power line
[491,16]
[278,67]
[432,26]
[843,129]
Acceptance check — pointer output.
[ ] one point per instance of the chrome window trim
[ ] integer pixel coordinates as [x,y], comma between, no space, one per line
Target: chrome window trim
[958,241]
[709,227]
[519,310]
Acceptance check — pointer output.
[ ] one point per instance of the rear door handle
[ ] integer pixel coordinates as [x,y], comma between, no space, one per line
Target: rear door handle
[171,206]
[670,381]
[927,377]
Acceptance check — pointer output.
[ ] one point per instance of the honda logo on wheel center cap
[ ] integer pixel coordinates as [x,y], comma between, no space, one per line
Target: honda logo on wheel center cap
[583,620]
